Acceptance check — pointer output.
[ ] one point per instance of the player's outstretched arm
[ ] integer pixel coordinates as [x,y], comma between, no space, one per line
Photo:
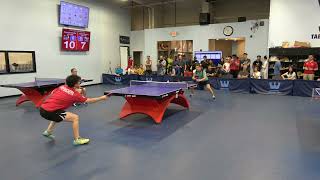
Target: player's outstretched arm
[97,99]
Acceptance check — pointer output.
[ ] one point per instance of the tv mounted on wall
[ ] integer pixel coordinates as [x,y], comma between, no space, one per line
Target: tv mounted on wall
[73,15]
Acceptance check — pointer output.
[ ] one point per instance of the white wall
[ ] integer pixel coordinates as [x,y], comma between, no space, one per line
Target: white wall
[294,20]
[33,25]
[138,39]
[257,45]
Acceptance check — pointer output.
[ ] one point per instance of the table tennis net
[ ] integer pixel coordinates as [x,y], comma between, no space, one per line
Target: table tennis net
[47,81]
[178,85]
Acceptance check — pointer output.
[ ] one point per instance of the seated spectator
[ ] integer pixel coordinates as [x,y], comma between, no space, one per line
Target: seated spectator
[256,73]
[211,71]
[140,70]
[226,68]
[172,71]
[290,75]
[131,70]
[244,73]
[119,70]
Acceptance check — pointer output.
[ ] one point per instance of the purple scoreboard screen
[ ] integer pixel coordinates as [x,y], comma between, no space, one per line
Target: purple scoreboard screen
[74,15]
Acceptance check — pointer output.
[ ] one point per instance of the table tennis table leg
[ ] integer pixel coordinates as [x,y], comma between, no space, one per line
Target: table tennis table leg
[155,108]
[23,98]
[31,94]
[181,100]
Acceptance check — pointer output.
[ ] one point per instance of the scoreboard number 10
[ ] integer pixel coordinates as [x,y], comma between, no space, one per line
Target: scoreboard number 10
[70,45]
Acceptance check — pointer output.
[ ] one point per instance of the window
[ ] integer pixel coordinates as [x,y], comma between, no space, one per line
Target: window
[12,62]
[3,64]
[21,62]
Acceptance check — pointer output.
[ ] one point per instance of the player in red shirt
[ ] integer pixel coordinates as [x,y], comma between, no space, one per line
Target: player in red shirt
[53,108]
[310,66]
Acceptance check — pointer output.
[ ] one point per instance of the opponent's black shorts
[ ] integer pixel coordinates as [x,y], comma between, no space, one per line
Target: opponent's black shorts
[56,116]
[202,83]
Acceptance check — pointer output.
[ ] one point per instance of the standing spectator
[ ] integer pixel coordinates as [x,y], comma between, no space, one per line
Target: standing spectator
[176,67]
[245,61]
[290,75]
[162,66]
[148,66]
[169,64]
[234,66]
[256,73]
[193,63]
[187,63]
[277,70]
[257,63]
[221,62]
[130,63]
[181,65]
[265,68]
[204,63]
[310,67]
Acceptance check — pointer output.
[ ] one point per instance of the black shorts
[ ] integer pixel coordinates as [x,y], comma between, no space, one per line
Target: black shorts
[203,83]
[56,116]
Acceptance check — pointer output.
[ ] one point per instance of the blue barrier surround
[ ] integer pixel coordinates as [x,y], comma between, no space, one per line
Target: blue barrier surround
[259,86]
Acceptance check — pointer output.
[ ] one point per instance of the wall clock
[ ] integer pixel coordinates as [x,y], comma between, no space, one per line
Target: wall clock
[228,31]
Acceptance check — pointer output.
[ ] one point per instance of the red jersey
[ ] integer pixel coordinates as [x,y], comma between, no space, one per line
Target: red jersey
[310,67]
[235,65]
[62,98]
[130,63]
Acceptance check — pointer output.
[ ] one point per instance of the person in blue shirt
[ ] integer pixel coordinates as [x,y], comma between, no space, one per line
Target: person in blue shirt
[118,70]
[277,70]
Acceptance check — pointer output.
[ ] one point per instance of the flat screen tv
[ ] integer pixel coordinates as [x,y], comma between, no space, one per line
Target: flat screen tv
[215,56]
[73,15]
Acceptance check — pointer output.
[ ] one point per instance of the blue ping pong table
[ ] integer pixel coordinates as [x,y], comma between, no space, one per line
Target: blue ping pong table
[37,90]
[151,98]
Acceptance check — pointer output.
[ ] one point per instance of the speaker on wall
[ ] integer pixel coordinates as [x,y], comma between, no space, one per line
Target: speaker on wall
[204,18]
[242,19]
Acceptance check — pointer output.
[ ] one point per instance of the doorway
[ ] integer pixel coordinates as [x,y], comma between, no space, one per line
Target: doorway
[137,58]
[124,55]
[228,46]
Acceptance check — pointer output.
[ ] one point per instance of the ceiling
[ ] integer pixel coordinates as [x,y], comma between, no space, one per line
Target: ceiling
[148,2]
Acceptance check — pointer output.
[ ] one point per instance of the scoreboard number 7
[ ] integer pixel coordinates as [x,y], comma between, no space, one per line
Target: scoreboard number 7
[83,45]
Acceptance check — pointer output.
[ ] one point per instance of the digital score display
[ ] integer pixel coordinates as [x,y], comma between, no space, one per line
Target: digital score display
[75,40]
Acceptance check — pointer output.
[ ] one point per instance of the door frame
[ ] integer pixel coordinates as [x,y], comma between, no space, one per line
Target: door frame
[128,53]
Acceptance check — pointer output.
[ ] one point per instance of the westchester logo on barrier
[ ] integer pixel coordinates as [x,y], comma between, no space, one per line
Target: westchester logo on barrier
[118,79]
[149,79]
[274,86]
[224,84]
